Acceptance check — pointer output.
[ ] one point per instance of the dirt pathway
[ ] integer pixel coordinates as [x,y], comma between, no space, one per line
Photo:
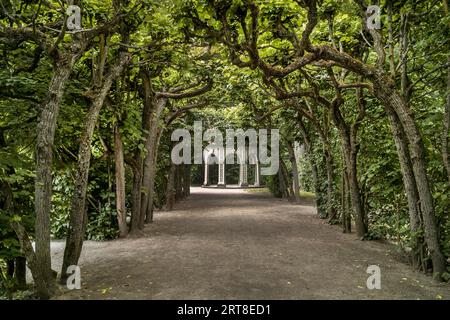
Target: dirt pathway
[230,244]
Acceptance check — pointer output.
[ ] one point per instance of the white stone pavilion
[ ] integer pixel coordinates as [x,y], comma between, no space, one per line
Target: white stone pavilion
[217,156]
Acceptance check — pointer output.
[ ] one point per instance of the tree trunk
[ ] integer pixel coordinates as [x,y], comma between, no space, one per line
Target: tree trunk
[187,180]
[170,191]
[179,182]
[314,169]
[409,183]
[120,183]
[324,134]
[331,212]
[138,160]
[350,151]
[282,184]
[149,216]
[136,195]
[74,241]
[392,99]
[385,91]
[355,194]
[317,190]
[346,217]
[149,169]
[295,180]
[287,182]
[43,183]
[343,204]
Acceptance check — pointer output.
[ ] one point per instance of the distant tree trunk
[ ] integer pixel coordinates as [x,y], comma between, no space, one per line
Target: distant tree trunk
[179,182]
[136,198]
[331,212]
[317,190]
[358,210]
[138,160]
[187,180]
[135,163]
[348,137]
[346,217]
[157,101]
[314,168]
[170,191]
[295,180]
[324,134]
[74,241]
[151,197]
[120,183]
[287,182]
[149,169]
[282,183]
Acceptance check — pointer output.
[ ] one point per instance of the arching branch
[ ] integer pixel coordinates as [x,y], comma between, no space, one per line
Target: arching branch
[189,94]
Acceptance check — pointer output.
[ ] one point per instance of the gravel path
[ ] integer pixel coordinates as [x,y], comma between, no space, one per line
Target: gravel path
[231,244]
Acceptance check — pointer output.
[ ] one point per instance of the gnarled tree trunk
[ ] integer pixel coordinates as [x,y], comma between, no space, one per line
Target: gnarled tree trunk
[392,99]
[74,241]
[43,183]
[348,137]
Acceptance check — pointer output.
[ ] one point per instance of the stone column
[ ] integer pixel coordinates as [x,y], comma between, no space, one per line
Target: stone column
[257,173]
[205,182]
[221,179]
[243,181]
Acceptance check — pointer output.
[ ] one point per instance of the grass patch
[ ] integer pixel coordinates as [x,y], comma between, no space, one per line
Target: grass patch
[303,194]
[307,195]
[257,190]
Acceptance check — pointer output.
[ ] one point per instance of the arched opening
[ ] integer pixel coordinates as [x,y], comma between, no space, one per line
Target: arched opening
[211,172]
